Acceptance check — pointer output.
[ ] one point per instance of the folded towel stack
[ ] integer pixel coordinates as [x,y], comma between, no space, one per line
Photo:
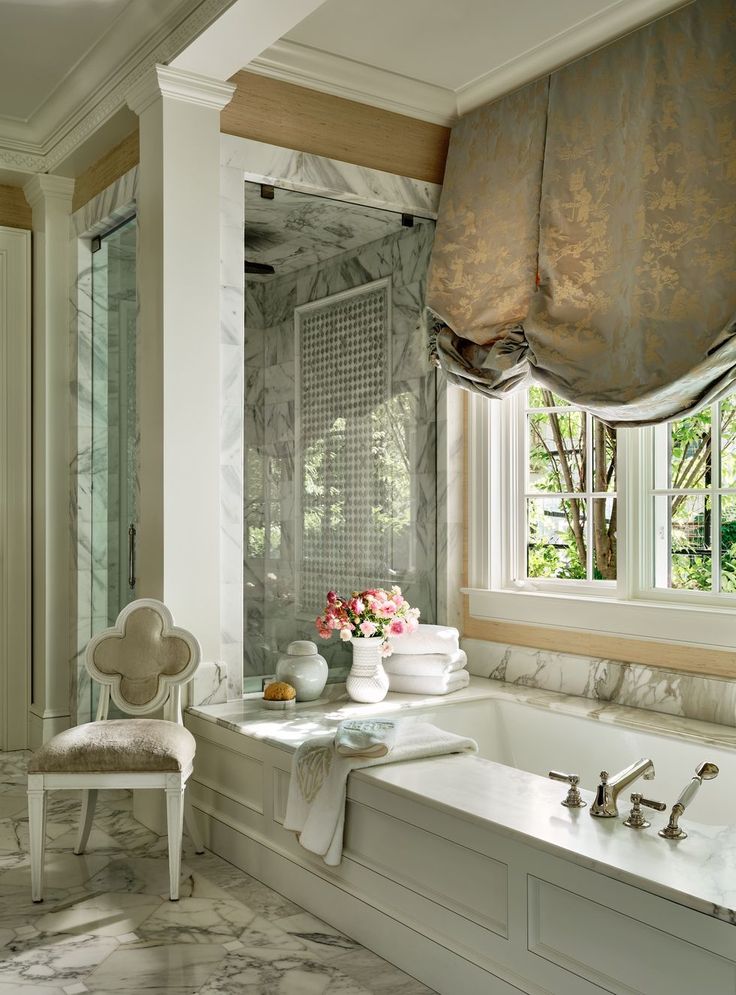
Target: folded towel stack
[427,661]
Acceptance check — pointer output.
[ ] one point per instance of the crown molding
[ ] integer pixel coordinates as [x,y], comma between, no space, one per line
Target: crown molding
[78,108]
[580,39]
[191,88]
[318,70]
[341,77]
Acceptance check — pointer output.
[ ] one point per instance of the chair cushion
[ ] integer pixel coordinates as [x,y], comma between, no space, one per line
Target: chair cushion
[123,745]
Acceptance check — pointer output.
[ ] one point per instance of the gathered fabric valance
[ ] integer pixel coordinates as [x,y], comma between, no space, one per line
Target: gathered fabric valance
[587,229]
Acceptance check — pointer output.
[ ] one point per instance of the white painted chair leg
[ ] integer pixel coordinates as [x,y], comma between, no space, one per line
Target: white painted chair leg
[89,801]
[190,821]
[37,832]
[175,824]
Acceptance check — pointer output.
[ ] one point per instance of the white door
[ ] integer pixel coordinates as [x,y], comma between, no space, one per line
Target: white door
[15,486]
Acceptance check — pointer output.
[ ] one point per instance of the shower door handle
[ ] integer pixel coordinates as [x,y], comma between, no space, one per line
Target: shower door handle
[131,556]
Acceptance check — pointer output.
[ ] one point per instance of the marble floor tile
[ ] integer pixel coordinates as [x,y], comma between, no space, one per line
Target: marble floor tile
[165,966]
[55,960]
[317,936]
[258,971]
[30,989]
[109,914]
[106,924]
[381,977]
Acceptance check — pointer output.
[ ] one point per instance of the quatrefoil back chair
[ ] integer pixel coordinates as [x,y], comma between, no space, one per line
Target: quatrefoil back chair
[141,664]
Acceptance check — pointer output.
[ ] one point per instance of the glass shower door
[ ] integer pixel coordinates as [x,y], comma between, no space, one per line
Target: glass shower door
[114,423]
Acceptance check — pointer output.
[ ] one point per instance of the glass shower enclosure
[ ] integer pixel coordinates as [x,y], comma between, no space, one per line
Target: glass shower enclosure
[114,423]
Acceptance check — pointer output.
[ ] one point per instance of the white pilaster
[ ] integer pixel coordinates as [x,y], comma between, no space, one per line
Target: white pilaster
[50,198]
[179,354]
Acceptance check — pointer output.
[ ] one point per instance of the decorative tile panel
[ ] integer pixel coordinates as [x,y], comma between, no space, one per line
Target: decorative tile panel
[344,371]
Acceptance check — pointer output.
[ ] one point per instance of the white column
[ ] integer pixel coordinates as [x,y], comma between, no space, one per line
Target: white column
[179,354]
[50,198]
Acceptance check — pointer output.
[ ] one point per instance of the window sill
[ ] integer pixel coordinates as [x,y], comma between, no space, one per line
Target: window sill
[672,622]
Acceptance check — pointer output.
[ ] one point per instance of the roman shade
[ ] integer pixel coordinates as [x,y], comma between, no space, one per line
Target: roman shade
[586,237]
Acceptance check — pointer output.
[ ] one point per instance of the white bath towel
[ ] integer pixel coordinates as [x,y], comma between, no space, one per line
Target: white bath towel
[365,737]
[425,665]
[427,639]
[315,808]
[406,684]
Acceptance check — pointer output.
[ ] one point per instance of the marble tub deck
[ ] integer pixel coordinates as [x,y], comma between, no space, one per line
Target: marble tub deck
[106,924]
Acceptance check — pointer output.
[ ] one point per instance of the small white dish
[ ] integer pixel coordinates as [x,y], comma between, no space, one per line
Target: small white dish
[279,706]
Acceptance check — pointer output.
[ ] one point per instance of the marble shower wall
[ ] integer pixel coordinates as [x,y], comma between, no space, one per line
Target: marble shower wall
[655,689]
[273,478]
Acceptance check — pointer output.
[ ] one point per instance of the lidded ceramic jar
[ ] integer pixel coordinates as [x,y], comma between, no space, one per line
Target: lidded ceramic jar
[303,668]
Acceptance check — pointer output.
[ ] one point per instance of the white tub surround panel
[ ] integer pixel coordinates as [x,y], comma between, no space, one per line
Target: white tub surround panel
[116,203]
[488,883]
[179,354]
[670,692]
[50,198]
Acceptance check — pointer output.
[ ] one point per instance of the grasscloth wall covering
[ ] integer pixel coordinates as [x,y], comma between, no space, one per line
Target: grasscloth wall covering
[587,230]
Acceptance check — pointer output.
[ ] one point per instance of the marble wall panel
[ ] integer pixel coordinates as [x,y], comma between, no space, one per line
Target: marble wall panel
[601,680]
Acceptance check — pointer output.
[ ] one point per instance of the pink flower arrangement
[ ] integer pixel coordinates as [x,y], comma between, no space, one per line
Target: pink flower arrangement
[375,613]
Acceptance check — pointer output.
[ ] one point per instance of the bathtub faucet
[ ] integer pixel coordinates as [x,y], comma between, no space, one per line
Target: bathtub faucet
[606,797]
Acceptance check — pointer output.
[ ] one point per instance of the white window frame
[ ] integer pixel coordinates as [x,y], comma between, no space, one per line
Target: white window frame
[631,606]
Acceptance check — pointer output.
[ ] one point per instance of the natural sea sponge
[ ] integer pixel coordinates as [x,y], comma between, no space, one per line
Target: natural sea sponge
[279,691]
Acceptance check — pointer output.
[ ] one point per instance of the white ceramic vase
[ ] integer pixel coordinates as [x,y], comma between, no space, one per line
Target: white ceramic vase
[367,680]
[303,668]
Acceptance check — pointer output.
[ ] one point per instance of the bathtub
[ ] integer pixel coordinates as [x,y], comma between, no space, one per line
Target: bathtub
[468,873]
[527,733]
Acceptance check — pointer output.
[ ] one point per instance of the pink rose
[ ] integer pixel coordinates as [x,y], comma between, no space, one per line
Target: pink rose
[386,608]
[331,597]
[386,650]
[367,628]
[397,627]
[358,606]
[345,634]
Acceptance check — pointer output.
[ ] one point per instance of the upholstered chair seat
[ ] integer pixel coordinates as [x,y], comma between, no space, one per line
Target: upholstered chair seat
[135,745]
[141,664]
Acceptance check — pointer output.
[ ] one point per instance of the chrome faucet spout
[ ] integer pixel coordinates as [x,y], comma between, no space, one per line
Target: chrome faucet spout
[605,805]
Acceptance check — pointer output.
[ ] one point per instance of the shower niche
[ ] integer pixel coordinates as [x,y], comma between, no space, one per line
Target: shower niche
[340,416]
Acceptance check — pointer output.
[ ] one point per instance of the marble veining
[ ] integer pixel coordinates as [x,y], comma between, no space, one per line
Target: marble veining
[106,924]
[309,173]
[654,689]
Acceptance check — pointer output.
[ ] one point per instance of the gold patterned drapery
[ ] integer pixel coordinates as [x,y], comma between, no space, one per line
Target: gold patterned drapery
[587,228]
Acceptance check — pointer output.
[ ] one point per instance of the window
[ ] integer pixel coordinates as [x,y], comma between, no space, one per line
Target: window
[695,501]
[577,525]
[569,490]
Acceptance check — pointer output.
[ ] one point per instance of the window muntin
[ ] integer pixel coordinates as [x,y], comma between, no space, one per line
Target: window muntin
[569,493]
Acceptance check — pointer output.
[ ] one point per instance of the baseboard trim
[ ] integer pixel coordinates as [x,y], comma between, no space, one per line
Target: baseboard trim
[42,727]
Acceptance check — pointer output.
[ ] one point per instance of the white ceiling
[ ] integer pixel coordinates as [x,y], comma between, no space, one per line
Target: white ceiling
[447,44]
[436,59]
[41,41]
